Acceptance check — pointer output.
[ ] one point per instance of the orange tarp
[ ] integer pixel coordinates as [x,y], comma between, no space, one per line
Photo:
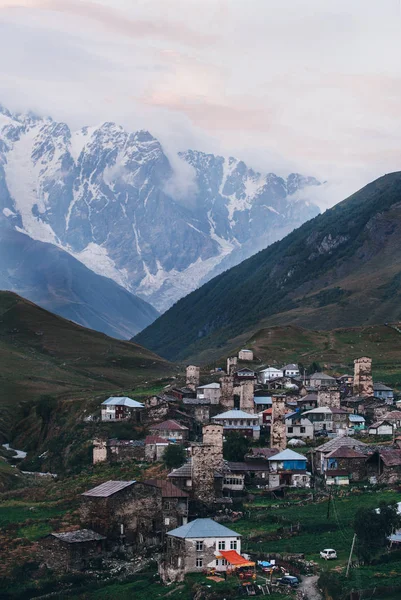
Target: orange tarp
[236,559]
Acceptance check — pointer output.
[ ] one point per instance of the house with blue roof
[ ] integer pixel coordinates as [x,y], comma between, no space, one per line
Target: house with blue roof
[291,468]
[200,544]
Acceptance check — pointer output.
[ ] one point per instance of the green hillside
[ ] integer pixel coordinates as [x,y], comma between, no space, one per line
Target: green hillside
[42,354]
[341,269]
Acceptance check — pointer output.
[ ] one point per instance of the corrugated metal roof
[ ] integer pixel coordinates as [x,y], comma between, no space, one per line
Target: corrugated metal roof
[81,535]
[184,471]
[169,490]
[212,386]
[169,425]
[345,452]
[287,454]
[122,401]
[340,441]
[236,414]
[203,528]
[263,400]
[321,376]
[356,419]
[108,488]
[380,387]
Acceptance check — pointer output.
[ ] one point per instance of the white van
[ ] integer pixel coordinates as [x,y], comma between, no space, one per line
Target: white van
[328,554]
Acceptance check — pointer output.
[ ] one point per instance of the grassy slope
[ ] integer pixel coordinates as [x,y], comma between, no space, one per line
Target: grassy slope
[335,350]
[299,280]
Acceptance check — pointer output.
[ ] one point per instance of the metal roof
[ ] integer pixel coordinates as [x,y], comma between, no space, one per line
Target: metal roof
[203,528]
[340,441]
[122,401]
[236,413]
[213,386]
[168,489]
[356,419]
[184,471]
[108,488]
[169,425]
[287,454]
[380,387]
[81,535]
[321,376]
[263,400]
[291,366]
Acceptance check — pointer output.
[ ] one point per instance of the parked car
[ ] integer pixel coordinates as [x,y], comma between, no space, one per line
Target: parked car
[328,554]
[289,580]
[321,433]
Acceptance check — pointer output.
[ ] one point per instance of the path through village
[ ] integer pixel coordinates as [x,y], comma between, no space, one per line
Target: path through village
[309,588]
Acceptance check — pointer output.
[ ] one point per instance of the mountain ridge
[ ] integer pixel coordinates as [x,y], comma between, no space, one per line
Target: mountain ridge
[330,272]
[105,195]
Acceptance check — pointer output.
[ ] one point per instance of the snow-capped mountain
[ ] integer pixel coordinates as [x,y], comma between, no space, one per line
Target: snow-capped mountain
[108,197]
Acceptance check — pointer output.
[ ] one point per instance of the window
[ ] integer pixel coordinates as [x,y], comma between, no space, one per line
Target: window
[199,562]
[222,545]
[179,561]
[290,429]
[199,546]
[233,545]
[167,521]
[303,429]
[122,529]
[167,505]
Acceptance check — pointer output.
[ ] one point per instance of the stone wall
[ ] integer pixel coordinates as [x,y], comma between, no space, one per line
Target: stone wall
[192,377]
[69,557]
[245,355]
[232,362]
[329,397]
[278,436]
[363,382]
[207,458]
[99,450]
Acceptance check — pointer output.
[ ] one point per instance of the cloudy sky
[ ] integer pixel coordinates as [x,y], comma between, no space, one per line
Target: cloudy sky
[311,85]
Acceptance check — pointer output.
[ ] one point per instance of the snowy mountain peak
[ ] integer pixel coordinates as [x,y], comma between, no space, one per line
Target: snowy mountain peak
[112,199]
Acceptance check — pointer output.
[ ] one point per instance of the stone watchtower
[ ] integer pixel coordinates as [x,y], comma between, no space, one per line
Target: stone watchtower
[193,377]
[207,458]
[247,391]
[99,450]
[227,391]
[278,434]
[329,397]
[232,362]
[363,382]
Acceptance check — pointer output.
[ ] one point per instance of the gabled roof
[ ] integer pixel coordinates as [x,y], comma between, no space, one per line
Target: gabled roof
[287,454]
[339,442]
[169,425]
[319,409]
[321,376]
[308,398]
[155,439]
[391,458]
[262,400]
[108,488]
[356,419]
[168,489]
[262,452]
[290,367]
[380,387]
[80,535]
[378,423]
[184,471]
[394,415]
[209,386]
[270,369]
[235,414]
[203,528]
[122,401]
[345,452]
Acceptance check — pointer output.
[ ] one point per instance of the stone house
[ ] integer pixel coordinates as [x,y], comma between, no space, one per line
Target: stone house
[318,380]
[385,465]
[394,417]
[383,392]
[128,513]
[245,354]
[239,421]
[210,391]
[170,430]
[198,409]
[174,503]
[319,454]
[72,550]
[155,447]
[118,408]
[192,377]
[321,418]
[381,428]
[255,472]
[197,546]
[307,402]
[114,451]
[346,460]
[182,477]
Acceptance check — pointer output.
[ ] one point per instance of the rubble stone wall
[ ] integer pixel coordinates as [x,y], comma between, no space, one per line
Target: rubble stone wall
[278,435]
[363,382]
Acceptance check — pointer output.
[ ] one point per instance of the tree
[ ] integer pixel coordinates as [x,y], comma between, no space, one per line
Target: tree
[372,528]
[235,447]
[174,456]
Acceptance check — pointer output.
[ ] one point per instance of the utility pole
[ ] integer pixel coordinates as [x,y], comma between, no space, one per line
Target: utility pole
[350,554]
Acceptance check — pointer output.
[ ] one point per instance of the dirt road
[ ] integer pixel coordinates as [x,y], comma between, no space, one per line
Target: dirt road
[309,587]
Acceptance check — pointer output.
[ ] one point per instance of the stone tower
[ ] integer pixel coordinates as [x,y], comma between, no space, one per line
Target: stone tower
[247,391]
[193,376]
[363,382]
[232,362]
[227,391]
[278,435]
[99,450]
[329,397]
[207,458]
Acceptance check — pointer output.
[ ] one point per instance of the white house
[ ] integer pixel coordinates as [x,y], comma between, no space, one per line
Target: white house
[240,421]
[381,428]
[116,408]
[290,370]
[269,374]
[318,380]
[299,427]
[198,545]
[321,418]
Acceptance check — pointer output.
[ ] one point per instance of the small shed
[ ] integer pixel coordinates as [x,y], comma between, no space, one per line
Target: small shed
[72,550]
[381,428]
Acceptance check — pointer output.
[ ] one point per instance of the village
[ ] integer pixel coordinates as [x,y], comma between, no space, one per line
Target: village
[299,433]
